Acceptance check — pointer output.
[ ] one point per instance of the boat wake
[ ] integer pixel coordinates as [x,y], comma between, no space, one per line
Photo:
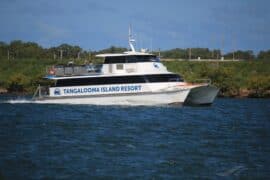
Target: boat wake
[233,171]
[18,101]
[121,104]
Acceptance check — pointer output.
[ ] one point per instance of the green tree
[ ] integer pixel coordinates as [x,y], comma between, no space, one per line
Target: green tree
[176,53]
[242,55]
[3,49]
[259,85]
[16,47]
[264,55]
[112,49]
[18,83]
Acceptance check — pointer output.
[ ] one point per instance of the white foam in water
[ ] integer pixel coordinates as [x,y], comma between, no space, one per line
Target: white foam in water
[233,171]
[19,101]
[27,101]
[118,103]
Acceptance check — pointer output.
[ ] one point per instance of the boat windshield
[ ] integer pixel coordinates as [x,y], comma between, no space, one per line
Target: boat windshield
[131,59]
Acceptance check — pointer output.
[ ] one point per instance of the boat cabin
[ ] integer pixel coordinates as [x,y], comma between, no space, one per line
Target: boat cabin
[131,62]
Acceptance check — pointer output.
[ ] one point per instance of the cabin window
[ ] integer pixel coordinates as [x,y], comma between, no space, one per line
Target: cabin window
[115,60]
[153,78]
[131,59]
[164,78]
[154,59]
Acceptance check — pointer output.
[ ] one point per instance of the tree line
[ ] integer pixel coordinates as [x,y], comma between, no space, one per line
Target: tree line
[235,78]
[24,50]
[18,49]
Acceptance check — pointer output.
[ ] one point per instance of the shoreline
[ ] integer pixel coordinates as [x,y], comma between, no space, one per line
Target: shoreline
[242,95]
[241,79]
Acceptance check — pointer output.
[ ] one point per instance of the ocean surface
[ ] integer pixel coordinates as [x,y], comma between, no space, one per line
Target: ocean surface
[228,140]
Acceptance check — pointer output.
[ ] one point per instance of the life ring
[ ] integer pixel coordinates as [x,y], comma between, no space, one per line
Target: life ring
[52,71]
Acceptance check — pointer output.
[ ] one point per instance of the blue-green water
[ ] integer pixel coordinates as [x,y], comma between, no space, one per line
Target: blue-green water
[228,140]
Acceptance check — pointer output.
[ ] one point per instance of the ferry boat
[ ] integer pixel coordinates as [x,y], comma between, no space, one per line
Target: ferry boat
[129,78]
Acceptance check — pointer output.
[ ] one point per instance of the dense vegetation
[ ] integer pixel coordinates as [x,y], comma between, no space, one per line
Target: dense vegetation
[20,50]
[30,50]
[23,64]
[241,78]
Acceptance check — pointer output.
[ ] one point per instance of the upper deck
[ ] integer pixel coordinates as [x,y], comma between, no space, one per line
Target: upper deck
[114,64]
[73,70]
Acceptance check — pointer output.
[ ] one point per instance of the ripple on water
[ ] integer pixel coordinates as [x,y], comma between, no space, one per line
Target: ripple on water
[230,139]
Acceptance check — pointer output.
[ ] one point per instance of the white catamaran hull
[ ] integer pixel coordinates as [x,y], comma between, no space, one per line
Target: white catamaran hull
[158,98]
[119,94]
[202,95]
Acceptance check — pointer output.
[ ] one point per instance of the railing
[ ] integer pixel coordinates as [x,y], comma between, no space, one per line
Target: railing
[41,91]
[62,70]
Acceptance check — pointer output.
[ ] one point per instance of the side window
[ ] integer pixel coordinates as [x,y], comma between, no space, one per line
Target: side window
[153,59]
[116,59]
[131,59]
[119,66]
[175,78]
